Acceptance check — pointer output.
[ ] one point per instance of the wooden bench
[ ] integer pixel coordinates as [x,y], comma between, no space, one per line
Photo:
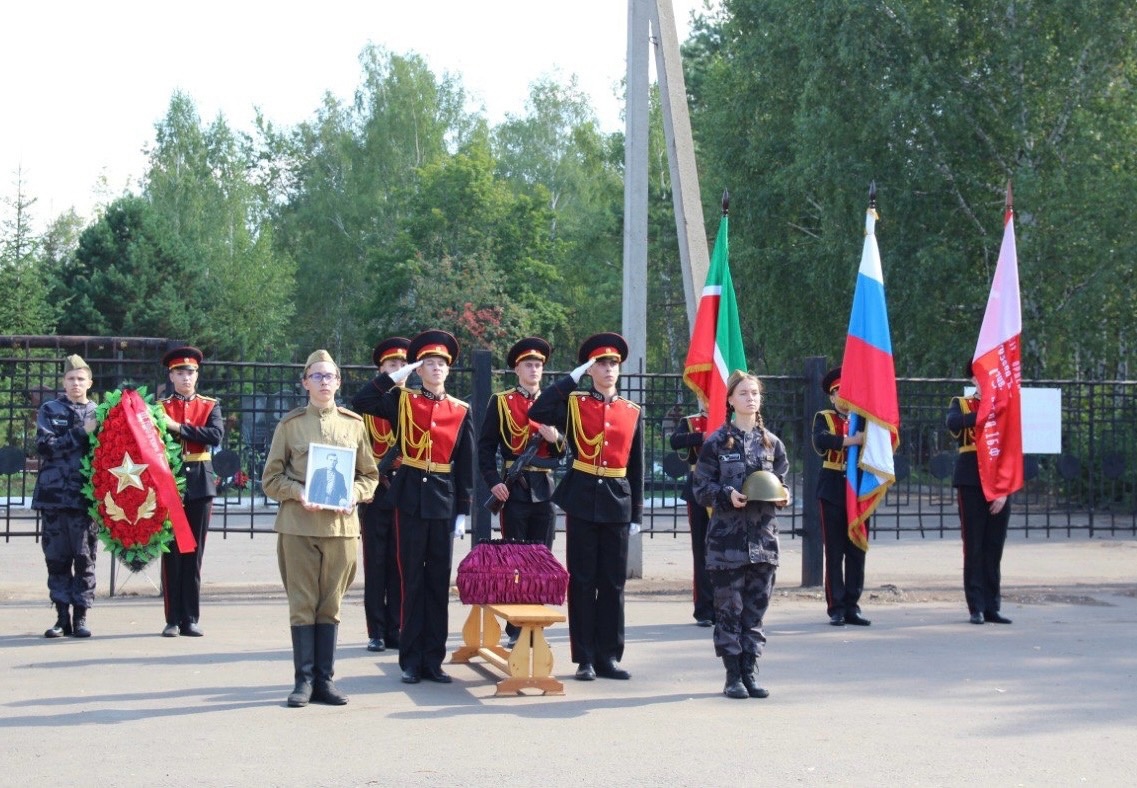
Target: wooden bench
[529,665]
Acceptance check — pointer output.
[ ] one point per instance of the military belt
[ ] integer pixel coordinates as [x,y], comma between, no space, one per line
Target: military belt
[599,470]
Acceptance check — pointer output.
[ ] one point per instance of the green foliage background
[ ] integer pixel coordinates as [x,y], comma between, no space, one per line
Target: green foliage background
[401,208]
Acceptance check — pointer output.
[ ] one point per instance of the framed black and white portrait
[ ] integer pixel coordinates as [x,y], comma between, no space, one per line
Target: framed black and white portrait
[331,472]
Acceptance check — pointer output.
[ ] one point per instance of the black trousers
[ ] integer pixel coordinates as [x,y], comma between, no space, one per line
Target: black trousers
[984,535]
[425,550]
[181,572]
[844,561]
[381,593]
[69,544]
[597,556]
[702,591]
[532,522]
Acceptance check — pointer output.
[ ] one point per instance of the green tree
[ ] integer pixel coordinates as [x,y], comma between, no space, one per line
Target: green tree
[556,153]
[339,185]
[199,183]
[25,307]
[941,103]
[132,277]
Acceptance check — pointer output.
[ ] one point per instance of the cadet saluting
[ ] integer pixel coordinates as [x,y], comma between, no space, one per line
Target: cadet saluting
[601,495]
[381,597]
[431,492]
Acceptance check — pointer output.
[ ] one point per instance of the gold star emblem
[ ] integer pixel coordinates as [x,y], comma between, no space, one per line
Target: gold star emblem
[129,474]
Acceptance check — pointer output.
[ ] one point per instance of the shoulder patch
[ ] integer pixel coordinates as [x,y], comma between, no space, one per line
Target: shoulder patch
[293,414]
[458,402]
[349,413]
[207,399]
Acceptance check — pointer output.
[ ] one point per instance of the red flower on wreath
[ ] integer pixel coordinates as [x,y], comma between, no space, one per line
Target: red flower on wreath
[135,524]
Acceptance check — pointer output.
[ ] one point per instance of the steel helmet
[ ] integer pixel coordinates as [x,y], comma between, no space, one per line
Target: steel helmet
[764,486]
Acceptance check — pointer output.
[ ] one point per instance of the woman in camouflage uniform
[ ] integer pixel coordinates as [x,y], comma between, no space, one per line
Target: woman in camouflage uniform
[742,538]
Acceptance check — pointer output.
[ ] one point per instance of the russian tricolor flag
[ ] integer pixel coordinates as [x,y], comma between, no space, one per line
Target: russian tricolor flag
[868,385]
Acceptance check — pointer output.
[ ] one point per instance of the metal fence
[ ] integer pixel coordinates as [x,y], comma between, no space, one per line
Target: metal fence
[1088,489]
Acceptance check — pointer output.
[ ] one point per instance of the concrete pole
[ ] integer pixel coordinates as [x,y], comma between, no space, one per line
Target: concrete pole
[634,321]
[685,194]
[634,326]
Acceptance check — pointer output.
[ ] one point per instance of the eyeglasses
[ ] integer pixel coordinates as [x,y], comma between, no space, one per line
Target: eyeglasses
[323,377]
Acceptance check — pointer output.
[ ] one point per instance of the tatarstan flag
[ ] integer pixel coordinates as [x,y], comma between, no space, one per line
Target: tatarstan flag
[716,342]
[997,367]
[868,385]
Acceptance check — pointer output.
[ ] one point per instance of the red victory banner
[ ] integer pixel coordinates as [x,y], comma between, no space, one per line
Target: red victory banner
[132,484]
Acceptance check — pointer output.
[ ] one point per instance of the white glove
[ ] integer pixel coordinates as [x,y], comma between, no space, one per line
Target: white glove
[460,526]
[578,373]
[404,372]
[634,529]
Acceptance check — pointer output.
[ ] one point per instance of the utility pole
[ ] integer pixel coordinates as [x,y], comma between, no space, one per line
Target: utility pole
[653,22]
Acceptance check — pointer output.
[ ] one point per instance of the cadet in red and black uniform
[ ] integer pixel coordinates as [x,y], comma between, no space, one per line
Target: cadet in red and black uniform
[687,440]
[844,561]
[380,557]
[982,523]
[601,495]
[527,513]
[196,421]
[431,493]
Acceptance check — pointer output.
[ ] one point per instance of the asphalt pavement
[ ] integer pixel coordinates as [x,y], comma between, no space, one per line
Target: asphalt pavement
[920,698]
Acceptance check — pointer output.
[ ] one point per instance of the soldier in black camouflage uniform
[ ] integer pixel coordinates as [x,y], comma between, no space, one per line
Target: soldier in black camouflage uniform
[742,538]
[63,429]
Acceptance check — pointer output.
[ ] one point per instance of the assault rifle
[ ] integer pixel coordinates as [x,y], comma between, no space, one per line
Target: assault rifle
[393,453]
[514,471]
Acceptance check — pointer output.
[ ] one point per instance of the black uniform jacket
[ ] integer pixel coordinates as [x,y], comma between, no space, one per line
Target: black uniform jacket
[426,494]
[599,499]
[687,440]
[829,430]
[61,442]
[961,424]
[202,426]
[531,486]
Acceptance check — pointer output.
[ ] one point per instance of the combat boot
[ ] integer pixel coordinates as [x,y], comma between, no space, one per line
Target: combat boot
[62,625]
[748,663]
[324,689]
[733,687]
[79,623]
[303,660]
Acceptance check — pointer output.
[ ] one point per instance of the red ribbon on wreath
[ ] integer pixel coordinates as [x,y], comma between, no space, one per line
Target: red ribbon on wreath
[152,452]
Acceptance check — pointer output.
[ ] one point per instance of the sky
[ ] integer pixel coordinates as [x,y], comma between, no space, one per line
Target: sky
[83,84]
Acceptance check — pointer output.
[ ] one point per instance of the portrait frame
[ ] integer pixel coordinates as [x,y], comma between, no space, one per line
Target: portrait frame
[322,459]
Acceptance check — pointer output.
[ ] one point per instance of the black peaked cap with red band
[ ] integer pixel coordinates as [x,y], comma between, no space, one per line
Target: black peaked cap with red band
[832,380]
[605,345]
[434,342]
[391,347]
[530,347]
[185,356]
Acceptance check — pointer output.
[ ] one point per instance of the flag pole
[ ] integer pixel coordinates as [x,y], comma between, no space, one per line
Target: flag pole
[725,202]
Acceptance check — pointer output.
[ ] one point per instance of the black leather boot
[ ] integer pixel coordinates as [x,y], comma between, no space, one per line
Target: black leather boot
[303,660]
[324,689]
[733,687]
[748,664]
[62,625]
[79,623]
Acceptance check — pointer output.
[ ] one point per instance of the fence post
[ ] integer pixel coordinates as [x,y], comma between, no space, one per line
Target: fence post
[481,527]
[812,550]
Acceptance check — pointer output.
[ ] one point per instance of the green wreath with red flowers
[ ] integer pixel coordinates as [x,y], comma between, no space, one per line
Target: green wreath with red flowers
[133,523]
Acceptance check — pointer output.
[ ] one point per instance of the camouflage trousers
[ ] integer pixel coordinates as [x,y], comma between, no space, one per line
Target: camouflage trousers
[70,545]
[742,596]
